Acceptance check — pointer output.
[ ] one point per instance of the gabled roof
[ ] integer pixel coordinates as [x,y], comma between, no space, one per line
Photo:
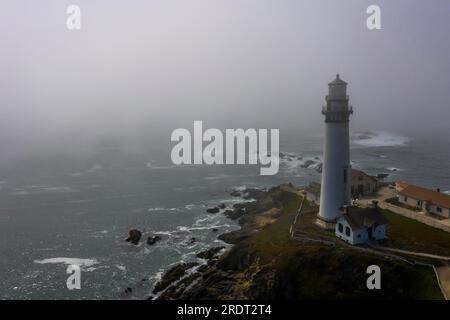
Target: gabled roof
[431,196]
[361,218]
[400,185]
[355,173]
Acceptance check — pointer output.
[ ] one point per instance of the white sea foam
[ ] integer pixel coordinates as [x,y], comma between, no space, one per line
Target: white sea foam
[220,176]
[447,192]
[25,190]
[20,193]
[150,165]
[87,264]
[380,139]
[291,162]
[94,168]
[121,268]
[163,209]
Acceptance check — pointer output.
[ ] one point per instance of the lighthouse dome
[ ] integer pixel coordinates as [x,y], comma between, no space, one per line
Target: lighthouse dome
[337,81]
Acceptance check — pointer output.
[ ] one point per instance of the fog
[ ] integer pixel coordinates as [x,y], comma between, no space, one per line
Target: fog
[139,69]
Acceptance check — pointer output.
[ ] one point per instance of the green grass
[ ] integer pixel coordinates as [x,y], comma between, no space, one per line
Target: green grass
[409,234]
[275,238]
[315,271]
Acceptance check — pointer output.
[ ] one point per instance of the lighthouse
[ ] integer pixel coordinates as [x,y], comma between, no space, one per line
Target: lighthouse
[335,188]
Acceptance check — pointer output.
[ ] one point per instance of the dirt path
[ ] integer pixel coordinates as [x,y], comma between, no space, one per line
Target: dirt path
[444,276]
[419,254]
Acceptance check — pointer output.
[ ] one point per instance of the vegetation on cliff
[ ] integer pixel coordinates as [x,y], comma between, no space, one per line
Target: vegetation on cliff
[267,262]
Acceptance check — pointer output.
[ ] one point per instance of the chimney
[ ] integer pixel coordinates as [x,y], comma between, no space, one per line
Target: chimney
[345,209]
[375,203]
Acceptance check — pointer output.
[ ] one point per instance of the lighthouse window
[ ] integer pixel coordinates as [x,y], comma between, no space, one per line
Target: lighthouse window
[340,228]
[345,175]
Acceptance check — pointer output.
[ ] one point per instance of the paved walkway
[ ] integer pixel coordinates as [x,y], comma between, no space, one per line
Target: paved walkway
[413,253]
[444,276]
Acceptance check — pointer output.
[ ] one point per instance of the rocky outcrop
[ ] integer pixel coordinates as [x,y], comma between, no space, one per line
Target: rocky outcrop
[153,239]
[307,164]
[213,210]
[210,253]
[172,275]
[134,236]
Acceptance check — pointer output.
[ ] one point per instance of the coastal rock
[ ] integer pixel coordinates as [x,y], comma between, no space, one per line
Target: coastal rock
[319,168]
[172,275]
[307,164]
[215,230]
[153,240]
[134,236]
[213,210]
[210,253]
[235,193]
[222,206]
[128,290]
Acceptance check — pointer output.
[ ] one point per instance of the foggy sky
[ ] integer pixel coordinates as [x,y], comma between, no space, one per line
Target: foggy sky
[145,68]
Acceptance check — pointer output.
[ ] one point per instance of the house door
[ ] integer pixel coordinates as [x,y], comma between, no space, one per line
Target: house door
[369,231]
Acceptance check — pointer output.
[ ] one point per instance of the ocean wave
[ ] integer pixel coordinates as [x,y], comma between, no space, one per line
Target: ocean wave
[163,209]
[220,176]
[150,165]
[26,190]
[85,264]
[121,268]
[380,139]
[291,162]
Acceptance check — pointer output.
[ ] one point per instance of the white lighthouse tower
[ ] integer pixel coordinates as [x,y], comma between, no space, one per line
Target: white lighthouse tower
[335,189]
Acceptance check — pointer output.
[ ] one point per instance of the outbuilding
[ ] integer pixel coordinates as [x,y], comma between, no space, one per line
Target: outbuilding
[361,225]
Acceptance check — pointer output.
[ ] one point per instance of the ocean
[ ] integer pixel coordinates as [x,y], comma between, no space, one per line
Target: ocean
[61,209]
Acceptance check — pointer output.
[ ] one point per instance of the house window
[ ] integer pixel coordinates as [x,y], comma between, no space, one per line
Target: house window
[340,228]
[347,231]
[439,209]
[405,198]
[359,235]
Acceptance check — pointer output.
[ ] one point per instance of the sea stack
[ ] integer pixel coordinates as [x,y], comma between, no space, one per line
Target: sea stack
[335,188]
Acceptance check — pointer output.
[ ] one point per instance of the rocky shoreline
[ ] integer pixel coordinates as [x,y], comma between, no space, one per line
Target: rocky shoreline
[265,263]
[212,279]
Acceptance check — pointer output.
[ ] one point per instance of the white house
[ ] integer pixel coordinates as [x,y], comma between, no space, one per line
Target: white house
[361,225]
[431,201]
